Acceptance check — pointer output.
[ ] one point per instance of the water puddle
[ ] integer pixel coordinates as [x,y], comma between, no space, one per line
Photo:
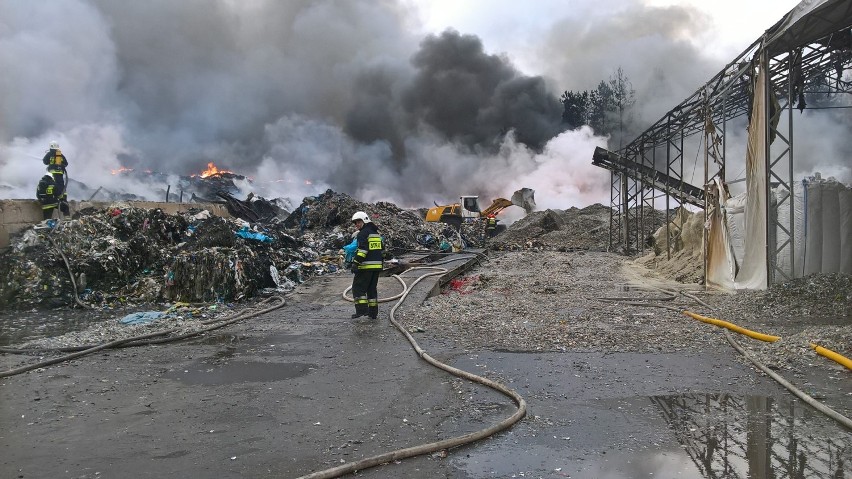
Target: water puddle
[17,327]
[691,435]
[239,372]
[756,436]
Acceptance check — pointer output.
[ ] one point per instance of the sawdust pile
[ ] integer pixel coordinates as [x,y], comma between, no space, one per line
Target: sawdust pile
[560,230]
[683,262]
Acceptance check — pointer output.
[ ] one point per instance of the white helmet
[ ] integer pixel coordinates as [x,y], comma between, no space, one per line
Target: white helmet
[360,215]
[54,145]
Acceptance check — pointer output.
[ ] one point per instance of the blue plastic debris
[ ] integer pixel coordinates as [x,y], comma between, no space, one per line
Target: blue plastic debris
[246,233]
[141,317]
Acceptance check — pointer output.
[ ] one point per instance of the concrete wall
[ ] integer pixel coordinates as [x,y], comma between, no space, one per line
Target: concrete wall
[17,215]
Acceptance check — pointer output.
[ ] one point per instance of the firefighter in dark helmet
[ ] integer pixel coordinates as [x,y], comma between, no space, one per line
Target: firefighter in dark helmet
[491,226]
[57,163]
[46,194]
[366,265]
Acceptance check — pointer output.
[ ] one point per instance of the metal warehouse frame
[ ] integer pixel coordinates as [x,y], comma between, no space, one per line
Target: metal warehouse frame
[809,48]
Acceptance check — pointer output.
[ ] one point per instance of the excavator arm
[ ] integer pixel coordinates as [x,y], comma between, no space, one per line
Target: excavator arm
[497,206]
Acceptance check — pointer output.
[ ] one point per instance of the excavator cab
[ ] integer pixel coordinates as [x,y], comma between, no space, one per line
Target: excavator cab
[467,209]
[470,208]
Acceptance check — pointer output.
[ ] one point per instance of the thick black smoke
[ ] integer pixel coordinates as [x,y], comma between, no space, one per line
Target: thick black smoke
[459,93]
[474,98]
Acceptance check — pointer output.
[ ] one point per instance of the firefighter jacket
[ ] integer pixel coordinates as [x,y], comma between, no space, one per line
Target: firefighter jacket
[55,160]
[46,191]
[370,247]
[491,224]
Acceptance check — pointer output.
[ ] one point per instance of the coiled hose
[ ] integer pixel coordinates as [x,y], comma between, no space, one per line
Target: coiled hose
[438,445]
[402,282]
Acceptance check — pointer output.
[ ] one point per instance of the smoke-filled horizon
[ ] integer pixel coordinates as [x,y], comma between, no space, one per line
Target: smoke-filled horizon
[309,95]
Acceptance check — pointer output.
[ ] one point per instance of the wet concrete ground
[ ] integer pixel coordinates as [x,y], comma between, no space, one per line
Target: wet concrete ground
[305,387]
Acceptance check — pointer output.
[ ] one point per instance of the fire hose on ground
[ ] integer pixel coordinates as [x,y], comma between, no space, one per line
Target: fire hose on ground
[727,326]
[141,340]
[437,445]
[68,267]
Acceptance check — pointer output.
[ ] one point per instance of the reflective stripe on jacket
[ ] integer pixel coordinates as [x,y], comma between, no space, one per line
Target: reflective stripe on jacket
[46,190]
[370,247]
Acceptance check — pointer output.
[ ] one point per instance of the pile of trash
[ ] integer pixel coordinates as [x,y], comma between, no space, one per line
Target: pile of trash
[559,230]
[125,254]
[331,213]
[122,253]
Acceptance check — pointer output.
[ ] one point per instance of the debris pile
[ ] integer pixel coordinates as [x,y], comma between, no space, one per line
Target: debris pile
[254,209]
[122,253]
[677,250]
[403,230]
[823,296]
[127,254]
[560,230]
[211,185]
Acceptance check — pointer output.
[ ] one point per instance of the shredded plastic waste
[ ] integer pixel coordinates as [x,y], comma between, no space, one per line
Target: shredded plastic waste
[465,285]
[246,233]
[133,255]
[141,317]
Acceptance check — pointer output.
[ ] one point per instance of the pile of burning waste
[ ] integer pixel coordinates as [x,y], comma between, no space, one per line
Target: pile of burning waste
[203,187]
[126,254]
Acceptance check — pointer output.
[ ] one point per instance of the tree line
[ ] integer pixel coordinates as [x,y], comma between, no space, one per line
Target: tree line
[608,109]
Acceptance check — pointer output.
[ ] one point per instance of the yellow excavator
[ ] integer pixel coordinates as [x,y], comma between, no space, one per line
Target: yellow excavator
[468,210]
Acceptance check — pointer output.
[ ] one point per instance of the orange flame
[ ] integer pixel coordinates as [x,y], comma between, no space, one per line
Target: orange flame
[121,170]
[212,170]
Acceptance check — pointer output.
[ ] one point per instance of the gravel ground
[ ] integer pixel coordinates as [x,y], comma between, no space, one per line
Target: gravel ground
[558,301]
[546,301]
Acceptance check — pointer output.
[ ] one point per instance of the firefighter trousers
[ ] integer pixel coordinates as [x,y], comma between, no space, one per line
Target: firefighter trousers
[365,292]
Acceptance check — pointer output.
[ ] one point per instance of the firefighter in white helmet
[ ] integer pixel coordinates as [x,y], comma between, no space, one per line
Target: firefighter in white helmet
[366,265]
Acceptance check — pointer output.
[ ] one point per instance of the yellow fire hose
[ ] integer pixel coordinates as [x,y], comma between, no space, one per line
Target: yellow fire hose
[840,418]
[843,420]
[733,327]
[839,358]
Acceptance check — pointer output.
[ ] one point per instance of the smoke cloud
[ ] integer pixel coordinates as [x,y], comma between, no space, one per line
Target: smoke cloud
[308,95]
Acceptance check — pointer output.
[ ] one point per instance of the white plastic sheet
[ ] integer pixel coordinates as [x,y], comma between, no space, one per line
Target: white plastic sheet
[831,227]
[721,257]
[785,263]
[846,230]
[753,272]
[827,228]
